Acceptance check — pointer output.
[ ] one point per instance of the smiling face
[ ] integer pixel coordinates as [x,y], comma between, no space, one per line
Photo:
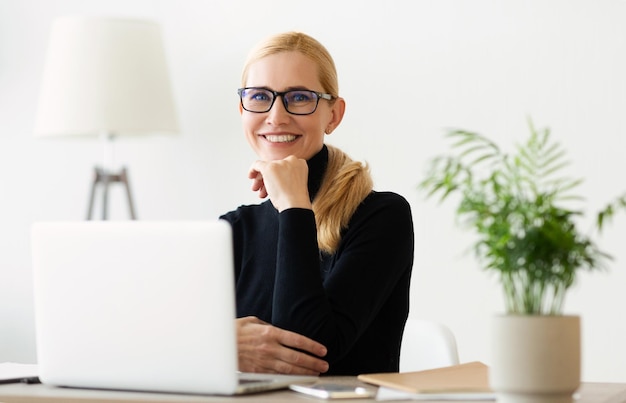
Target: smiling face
[277,134]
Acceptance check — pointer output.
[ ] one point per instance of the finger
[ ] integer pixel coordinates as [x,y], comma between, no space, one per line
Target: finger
[257,179]
[302,352]
[256,169]
[257,184]
[297,362]
[271,357]
[300,342]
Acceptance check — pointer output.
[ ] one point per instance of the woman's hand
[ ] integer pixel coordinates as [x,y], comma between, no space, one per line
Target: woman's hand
[265,348]
[284,181]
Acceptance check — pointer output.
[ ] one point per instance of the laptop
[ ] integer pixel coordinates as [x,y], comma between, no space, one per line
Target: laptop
[139,305]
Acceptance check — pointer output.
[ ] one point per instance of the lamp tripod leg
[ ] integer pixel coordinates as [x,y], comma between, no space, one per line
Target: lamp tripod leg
[124,180]
[106,180]
[94,183]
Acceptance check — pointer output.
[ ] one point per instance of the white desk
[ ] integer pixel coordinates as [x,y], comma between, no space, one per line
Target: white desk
[22,393]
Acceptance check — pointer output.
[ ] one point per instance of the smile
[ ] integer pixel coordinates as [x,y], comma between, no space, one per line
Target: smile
[280,138]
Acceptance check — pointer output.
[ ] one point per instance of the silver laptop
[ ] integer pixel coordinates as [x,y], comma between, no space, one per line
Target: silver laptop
[139,305]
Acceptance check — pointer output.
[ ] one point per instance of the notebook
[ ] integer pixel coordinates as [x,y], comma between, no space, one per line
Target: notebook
[468,381]
[139,305]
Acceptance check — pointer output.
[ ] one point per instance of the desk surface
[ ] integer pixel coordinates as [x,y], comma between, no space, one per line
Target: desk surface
[21,393]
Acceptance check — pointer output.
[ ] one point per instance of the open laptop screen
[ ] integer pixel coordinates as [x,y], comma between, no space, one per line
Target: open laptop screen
[135,305]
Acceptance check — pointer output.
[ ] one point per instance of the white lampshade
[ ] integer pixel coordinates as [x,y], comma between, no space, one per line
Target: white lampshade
[105,75]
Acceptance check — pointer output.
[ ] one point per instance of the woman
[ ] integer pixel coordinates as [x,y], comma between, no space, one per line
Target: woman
[323,267]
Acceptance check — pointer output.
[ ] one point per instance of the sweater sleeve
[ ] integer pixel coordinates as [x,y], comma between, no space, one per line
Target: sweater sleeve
[334,303]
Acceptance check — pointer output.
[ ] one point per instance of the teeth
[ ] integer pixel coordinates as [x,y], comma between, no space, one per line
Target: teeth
[282,138]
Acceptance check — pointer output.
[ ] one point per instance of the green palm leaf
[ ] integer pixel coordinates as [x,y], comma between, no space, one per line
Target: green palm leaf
[513,203]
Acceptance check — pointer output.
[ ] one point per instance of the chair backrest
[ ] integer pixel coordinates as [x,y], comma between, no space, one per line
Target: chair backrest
[426,345]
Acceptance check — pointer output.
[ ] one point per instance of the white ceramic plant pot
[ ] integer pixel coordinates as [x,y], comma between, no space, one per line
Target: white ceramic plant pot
[536,359]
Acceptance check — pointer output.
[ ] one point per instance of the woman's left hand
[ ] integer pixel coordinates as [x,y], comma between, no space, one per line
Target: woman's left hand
[284,181]
[262,347]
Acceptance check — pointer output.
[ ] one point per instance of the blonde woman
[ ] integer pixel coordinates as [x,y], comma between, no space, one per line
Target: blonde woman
[323,267]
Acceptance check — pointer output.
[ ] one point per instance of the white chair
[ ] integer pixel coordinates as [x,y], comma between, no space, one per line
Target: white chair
[426,345]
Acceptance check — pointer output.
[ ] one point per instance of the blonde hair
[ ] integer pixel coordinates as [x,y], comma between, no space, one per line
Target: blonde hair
[297,42]
[345,185]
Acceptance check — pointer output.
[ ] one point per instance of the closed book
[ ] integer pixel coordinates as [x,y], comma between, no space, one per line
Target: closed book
[471,377]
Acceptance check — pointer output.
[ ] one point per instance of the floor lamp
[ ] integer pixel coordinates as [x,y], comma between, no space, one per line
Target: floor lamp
[105,77]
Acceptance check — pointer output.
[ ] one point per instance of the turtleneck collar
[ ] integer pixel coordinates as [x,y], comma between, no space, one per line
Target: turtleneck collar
[317,167]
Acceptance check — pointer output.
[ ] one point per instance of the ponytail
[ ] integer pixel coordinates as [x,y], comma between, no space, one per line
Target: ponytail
[345,185]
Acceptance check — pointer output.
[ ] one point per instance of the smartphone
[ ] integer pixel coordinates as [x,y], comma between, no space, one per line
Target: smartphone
[329,390]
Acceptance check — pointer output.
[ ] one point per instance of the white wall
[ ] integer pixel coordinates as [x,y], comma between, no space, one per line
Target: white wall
[408,70]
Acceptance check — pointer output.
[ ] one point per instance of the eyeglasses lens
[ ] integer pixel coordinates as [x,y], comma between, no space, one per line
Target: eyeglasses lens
[299,102]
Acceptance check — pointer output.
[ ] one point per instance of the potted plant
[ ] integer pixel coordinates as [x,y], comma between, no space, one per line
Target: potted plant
[527,233]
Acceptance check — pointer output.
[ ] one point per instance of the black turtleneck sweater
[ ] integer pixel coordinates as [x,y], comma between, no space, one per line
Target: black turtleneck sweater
[355,302]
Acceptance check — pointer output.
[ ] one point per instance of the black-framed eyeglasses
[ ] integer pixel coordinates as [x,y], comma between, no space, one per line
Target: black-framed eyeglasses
[296,102]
